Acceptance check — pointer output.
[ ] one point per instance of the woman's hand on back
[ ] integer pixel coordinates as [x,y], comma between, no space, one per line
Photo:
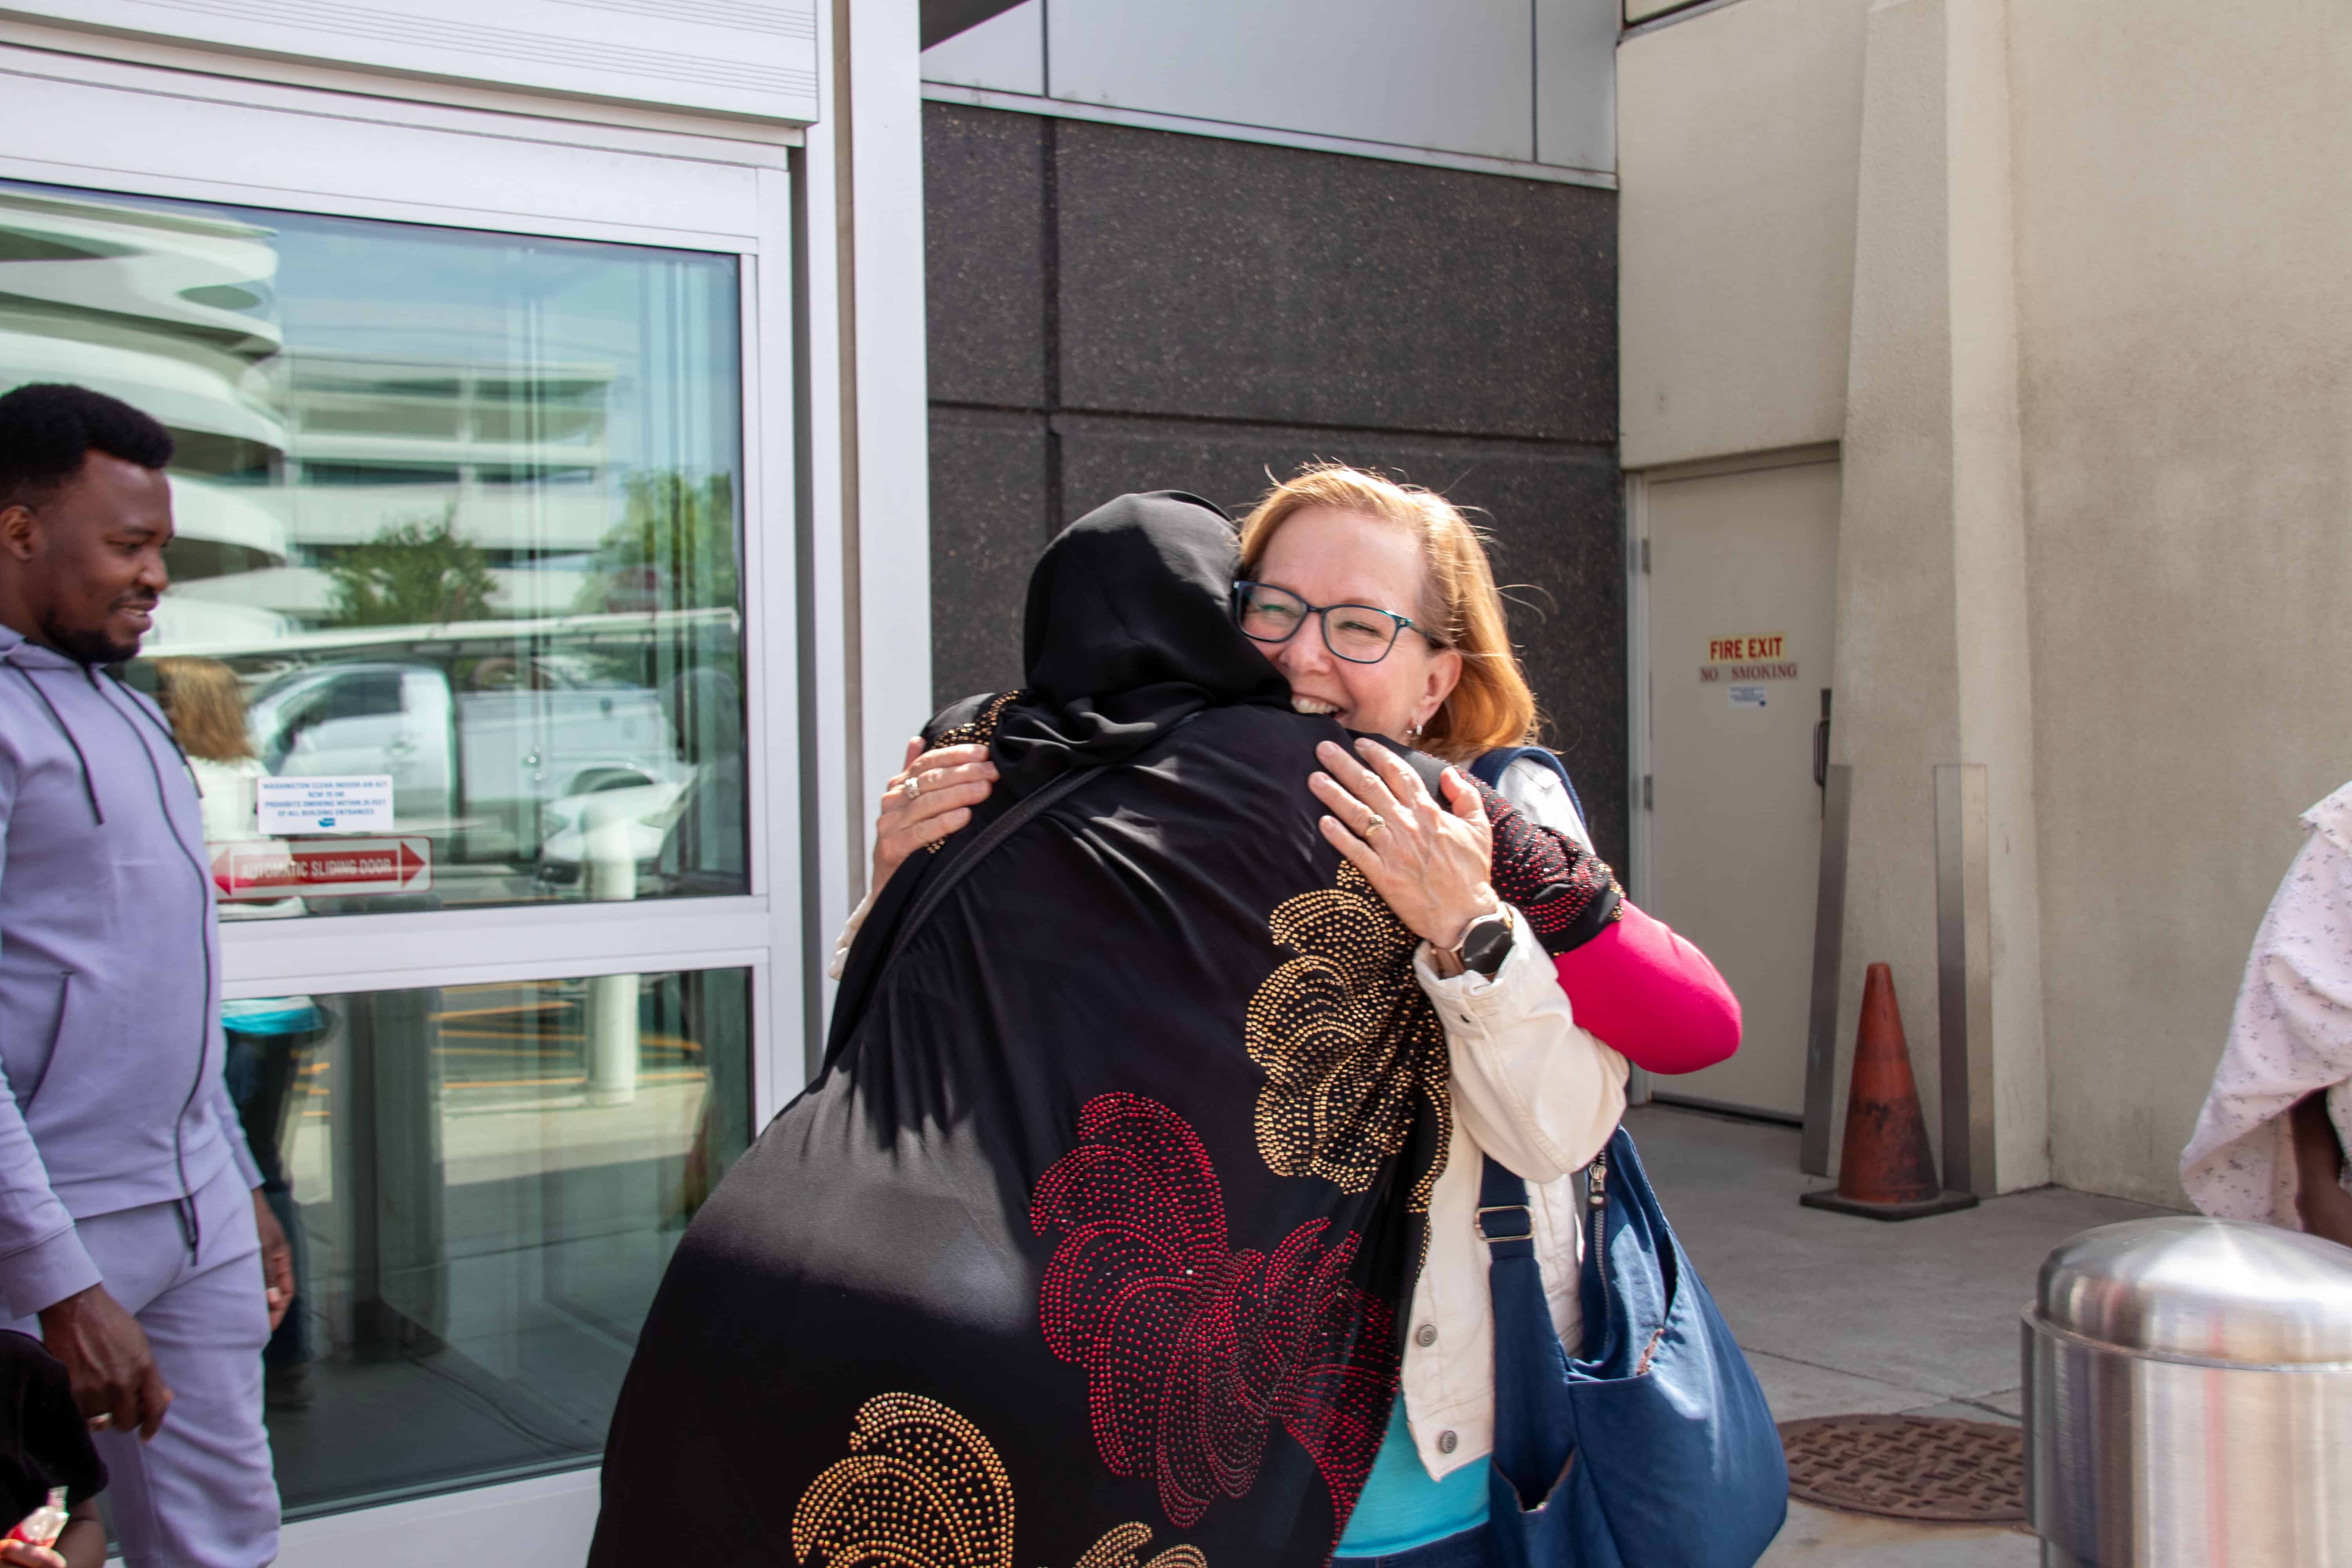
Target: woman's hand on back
[1431,862]
[948,782]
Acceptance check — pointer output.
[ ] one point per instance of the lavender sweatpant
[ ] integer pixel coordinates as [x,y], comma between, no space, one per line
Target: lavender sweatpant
[202,1494]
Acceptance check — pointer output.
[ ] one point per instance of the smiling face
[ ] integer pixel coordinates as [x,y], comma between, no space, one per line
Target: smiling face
[1327,555]
[84,564]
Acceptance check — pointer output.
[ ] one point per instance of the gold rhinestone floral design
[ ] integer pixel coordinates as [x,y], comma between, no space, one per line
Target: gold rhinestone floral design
[1349,1042]
[979,730]
[923,1488]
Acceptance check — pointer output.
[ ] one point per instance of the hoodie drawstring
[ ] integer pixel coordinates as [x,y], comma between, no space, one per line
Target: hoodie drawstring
[88,785]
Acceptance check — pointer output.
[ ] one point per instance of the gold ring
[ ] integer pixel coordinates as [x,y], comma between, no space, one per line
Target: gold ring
[1375,825]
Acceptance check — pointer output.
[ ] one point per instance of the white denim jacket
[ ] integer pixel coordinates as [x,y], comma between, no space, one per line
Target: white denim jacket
[1540,1095]
[1543,1096]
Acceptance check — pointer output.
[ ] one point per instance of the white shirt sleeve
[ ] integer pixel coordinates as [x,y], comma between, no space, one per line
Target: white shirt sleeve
[1536,1092]
[849,929]
[1533,1089]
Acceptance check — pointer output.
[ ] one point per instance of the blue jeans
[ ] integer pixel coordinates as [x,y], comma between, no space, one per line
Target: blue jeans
[1467,1550]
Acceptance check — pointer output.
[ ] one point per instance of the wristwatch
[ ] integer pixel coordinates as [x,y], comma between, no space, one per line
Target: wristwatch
[1487,943]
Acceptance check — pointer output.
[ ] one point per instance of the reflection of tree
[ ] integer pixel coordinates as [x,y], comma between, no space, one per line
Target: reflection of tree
[413,572]
[674,548]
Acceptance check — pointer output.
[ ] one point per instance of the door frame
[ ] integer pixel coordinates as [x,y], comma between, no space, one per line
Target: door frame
[1642,829]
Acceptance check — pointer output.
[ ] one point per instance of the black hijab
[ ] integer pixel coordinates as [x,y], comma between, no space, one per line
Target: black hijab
[1128,632]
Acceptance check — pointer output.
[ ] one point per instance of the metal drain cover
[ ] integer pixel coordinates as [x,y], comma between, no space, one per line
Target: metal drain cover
[1908,1467]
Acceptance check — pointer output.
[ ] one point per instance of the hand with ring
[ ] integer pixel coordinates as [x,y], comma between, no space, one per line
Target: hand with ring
[928,799]
[1430,862]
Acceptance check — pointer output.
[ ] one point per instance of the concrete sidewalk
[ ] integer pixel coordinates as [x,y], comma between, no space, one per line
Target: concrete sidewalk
[1840,1315]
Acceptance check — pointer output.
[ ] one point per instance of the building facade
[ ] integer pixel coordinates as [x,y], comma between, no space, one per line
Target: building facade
[607,428]
[1985,338]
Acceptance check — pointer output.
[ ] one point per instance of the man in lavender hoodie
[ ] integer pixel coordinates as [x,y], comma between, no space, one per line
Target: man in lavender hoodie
[131,1238]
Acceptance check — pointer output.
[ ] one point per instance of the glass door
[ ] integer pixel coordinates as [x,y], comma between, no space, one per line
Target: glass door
[474,636]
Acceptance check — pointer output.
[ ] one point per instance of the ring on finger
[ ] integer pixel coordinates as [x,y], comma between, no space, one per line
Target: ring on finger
[1375,825]
[913,786]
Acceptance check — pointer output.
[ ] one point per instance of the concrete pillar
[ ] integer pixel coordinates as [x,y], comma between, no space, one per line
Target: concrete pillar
[1933,658]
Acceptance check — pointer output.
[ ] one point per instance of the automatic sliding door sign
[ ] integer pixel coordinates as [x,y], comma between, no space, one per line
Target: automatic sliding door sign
[321,868]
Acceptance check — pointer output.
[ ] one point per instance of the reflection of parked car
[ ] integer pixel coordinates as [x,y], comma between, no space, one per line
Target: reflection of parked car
[475,767]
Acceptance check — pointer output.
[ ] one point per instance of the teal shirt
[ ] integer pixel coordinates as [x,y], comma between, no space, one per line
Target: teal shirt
[1402,1507]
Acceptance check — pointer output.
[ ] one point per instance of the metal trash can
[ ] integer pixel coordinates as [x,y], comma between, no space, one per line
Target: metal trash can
[2189,1398]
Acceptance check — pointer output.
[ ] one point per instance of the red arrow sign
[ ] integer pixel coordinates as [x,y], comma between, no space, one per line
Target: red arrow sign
[321,868]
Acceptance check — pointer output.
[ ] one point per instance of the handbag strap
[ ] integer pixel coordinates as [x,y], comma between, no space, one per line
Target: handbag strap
[1502,1193]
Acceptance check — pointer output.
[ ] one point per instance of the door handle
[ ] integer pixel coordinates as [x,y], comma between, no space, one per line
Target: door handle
[1821,748]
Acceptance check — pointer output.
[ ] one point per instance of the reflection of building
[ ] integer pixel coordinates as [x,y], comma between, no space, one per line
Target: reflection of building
[517,461]
[159,308]
[163,309]
[288,458]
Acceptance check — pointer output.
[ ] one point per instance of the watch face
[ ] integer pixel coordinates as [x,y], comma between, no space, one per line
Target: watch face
[1486,943]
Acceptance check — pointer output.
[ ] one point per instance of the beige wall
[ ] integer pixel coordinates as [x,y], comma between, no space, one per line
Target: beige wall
[2184,242]
[1737,148]
[2079,324]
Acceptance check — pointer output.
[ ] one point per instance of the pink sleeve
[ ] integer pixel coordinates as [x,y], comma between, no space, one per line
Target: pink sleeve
[1652,995]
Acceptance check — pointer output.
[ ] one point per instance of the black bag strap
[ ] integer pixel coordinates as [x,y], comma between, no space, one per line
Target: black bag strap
[995,834]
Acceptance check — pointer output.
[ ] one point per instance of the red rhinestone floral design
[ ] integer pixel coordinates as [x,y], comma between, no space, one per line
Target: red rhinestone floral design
[1193,1351]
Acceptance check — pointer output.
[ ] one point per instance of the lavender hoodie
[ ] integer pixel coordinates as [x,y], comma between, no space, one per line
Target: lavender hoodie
[110,973]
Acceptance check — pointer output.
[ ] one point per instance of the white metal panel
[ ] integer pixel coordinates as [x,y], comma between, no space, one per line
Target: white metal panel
[95,123]
[893,412]
[1457,77]
[831,770]
[1576,84]
[1004,54]
[544,1522]
[729,57]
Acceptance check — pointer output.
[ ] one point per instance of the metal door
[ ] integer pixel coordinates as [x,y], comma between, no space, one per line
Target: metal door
[1742,592]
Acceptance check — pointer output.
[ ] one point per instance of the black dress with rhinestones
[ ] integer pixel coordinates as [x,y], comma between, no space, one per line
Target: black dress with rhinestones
[1088,1245]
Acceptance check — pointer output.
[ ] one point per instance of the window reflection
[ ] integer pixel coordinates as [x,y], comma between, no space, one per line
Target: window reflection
[483,1185]
[459,511]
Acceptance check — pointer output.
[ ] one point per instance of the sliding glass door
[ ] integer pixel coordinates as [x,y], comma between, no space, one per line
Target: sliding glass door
[481,627]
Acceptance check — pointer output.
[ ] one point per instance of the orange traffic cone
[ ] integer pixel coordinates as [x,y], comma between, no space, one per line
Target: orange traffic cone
[1886,1170]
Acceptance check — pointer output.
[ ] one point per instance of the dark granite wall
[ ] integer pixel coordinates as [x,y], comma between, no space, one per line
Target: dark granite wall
[1116,310]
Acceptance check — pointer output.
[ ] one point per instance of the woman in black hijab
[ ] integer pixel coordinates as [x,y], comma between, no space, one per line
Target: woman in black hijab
[1090,1244]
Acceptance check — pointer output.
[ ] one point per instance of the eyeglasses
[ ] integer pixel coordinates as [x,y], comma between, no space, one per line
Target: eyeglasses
[1361,634]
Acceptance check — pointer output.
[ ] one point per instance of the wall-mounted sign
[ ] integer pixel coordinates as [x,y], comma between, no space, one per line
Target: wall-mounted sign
[355,803]
[268,870]
[1752,656]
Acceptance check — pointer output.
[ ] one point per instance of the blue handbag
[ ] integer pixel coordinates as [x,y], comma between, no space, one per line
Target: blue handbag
[1656,1449]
